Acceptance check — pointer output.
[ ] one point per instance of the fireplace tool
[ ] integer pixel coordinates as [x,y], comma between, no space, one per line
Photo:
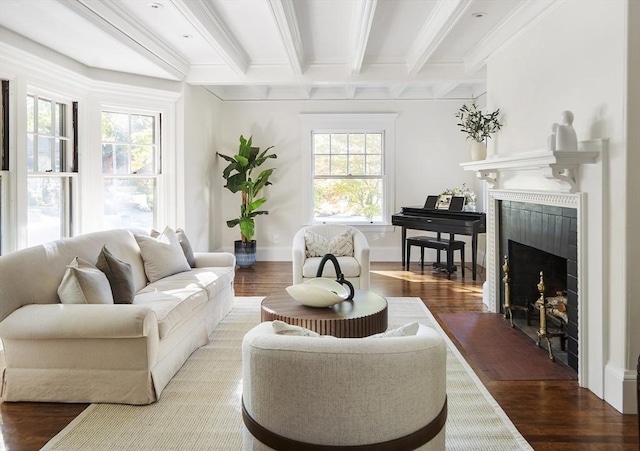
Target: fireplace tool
[543,332]
[508,307]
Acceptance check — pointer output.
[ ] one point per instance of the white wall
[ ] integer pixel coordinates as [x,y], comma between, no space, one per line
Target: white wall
[428,146]
[202,180]
[574,59]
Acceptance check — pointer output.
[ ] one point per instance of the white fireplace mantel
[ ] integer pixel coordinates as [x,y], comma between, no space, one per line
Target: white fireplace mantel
[560,179]
[560,166]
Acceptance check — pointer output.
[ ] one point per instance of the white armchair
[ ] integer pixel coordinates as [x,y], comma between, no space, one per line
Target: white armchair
[367,393]
[327,238]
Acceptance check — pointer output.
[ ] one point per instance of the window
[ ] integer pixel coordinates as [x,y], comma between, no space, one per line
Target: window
[347,176]
[351,168]
[4,158]
[130,168]
[51,153]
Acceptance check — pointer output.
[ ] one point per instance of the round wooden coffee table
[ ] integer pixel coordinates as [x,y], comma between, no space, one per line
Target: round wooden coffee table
[365,315]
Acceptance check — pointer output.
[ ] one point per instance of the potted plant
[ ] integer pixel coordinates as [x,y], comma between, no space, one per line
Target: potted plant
[478,126]
[239,178]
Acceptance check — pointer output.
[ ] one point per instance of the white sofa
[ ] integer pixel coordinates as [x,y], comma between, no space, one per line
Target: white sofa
[117,353]
[355,266]
[300,391]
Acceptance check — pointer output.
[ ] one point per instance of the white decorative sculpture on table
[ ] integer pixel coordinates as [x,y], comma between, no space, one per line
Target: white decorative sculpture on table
[563,136]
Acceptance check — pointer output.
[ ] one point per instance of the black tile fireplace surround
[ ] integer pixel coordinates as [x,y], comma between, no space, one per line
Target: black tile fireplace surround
[552,230]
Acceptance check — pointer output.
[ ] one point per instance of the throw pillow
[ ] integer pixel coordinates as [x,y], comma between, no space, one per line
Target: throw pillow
[120,276]
[83,283]
[317,246]
[282,328]
[186,247]
[184,244]
[162,256]
[402,331]
[342,245]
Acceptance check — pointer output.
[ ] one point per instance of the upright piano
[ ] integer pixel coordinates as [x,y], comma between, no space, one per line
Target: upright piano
[442,221]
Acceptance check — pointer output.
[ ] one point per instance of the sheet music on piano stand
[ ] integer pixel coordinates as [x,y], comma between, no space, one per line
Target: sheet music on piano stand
[447,202]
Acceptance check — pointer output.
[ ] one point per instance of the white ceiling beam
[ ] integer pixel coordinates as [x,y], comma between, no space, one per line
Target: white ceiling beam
[516,23]
[350,91]
[327,74]
[285,15]
[261,91]
[395,91]
[111,18]
[363,13]
[204,18]
[440,90]
[438,26]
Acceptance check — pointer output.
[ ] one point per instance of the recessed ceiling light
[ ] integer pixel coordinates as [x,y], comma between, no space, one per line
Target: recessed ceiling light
[155,5]
[478,15]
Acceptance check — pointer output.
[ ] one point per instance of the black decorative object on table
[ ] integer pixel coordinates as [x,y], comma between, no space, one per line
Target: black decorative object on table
[340,277]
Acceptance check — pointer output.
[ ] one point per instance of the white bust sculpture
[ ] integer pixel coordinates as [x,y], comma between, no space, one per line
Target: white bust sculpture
[563,136]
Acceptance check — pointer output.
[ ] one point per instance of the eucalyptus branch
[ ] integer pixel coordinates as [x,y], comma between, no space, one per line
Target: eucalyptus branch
[476,124]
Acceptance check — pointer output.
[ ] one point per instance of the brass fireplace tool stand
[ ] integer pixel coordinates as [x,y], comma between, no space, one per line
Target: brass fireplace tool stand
[508,308]
[542,305]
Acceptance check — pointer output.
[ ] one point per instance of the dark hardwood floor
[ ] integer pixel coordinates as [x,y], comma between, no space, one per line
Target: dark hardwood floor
[550,414]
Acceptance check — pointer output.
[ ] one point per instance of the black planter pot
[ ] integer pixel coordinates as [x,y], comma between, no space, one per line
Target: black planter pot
[245,253]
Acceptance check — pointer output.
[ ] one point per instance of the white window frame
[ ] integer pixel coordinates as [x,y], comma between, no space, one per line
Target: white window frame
[68,174]
[350,123]
[157,175]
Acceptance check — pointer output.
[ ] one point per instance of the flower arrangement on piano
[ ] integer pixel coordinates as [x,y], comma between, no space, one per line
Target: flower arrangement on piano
[469,196]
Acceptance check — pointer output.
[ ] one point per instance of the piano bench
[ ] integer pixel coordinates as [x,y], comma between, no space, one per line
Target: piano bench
[440,245]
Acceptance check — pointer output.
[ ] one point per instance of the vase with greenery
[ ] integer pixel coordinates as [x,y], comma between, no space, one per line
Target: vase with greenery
[478,126]
[240,177]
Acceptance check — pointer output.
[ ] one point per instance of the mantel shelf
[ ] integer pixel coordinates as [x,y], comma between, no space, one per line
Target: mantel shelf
[558,165]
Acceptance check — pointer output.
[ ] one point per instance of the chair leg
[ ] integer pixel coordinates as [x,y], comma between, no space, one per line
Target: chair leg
[408,255]
[422,257]
[462,258]
[449,262]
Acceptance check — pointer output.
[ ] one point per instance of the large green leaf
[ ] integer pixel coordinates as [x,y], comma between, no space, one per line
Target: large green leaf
[256,204]
[247,228]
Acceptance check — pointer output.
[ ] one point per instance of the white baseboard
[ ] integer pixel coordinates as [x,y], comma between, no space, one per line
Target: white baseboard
[620,389]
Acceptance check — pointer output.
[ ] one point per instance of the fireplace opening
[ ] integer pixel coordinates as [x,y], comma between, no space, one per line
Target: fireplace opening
[526,262]
[537,238]
[532,270]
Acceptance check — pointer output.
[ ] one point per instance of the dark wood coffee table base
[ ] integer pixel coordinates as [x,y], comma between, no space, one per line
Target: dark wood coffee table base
[365,315]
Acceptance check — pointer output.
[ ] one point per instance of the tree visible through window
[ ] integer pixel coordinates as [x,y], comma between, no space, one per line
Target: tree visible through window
[130,165]
[347,176]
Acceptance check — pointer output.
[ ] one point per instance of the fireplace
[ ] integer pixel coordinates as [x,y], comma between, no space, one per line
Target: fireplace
[576,183]
[543,238]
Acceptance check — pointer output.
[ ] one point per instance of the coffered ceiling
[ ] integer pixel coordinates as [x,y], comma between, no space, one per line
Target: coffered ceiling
[282,49]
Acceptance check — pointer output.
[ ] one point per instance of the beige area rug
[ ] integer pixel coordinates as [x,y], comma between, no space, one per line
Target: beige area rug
[200,408]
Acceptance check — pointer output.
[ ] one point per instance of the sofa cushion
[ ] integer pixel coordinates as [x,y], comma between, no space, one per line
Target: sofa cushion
[175,298]
[162,255]
[348,265]
[120,276]
[83,283]
[339,245]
